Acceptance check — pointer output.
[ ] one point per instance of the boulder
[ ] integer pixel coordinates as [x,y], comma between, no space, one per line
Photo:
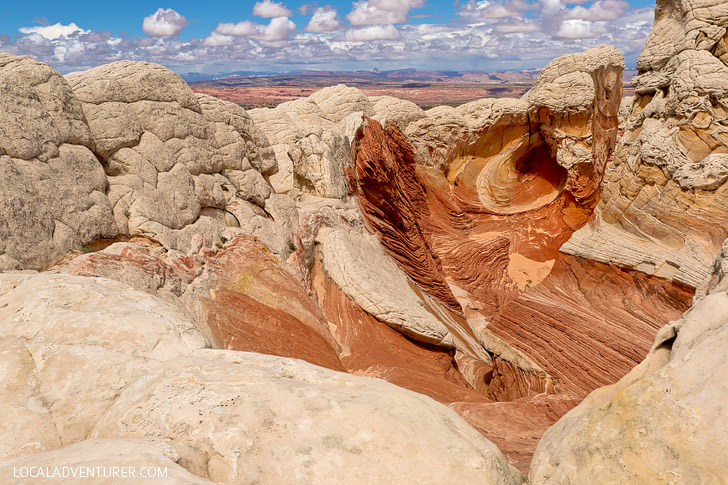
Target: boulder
[52,187]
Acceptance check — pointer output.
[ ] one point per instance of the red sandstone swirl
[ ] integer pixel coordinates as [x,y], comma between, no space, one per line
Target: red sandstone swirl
[486,222]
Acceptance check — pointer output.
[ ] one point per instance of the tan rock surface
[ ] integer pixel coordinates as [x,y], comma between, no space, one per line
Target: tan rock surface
[663,204]
[154,458]
[269,418]
[178,164]
[52,188]
[98,359]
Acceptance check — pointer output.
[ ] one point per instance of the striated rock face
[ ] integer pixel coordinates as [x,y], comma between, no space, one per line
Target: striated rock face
[52,188]
[212,235]
[663,421]
[240,295]
[587,324]
[137,368]
[474,202]
[663,208]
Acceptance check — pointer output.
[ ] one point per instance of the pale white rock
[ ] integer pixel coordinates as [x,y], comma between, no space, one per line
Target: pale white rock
[250,417]
[708,174]
[359,266]
[400,111]
[166,150]
[337,102]
[663,202]
[76,310]
[148,456]
[439,137]
[319,162]
[28,424]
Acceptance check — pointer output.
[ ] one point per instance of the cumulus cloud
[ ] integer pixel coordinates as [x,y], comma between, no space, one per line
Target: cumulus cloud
[323,20]
[164,23]
[599,10]
[269,9]
[54,31]
[215,39]
[489,9]
[373,32]
[483,39]
[579,29]
[278,29]
[382,12]
[393,5]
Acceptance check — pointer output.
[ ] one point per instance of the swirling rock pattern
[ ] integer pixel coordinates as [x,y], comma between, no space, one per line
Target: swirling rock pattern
[475,202]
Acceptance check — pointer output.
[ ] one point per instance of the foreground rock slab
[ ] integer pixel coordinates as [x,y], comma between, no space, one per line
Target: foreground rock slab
[110,362]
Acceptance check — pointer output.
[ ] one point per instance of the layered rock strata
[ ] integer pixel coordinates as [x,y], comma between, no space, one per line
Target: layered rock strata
[474,202]
[663,421]
[663,208]
[250,232]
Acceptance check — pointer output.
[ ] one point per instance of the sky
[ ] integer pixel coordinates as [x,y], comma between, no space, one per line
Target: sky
[273,36]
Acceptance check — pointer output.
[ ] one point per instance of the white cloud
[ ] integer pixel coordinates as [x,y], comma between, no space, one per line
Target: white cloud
[521,27]
[475,42]
[599,10]
[323,20]
[578,29]
[164,23]
[269,9]
[366,14]
[216,39]
[395,5]
[550,8]
[488,9]
[373,32]
[278,29]
[54,31]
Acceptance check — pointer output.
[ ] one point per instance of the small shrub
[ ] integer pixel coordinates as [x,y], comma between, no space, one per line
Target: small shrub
[292,246]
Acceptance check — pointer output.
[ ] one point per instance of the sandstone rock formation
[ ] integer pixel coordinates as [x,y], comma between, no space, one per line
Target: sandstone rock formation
[663,206]
[135,368]
[344,234]
[496,184]
[662,422]
[45,157]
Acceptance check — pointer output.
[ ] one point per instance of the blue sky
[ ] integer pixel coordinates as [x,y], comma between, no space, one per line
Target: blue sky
[270,35]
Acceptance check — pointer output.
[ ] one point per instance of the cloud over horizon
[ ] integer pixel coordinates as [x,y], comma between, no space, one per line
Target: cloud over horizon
[484,34]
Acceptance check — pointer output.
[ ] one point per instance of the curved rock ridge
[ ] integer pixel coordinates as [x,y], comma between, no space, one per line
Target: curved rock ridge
[663,208]
[588,324]
[475,201]
[662,422]
[136,372]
